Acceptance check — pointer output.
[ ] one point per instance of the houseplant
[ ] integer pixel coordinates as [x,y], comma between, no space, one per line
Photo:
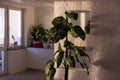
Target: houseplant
[48,39]
[36,33]
[60,30]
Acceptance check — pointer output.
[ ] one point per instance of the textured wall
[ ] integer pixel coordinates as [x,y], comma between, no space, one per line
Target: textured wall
[104,37]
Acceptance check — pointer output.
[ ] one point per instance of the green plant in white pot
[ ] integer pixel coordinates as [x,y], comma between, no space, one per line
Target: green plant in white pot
[61,28]
[47,38]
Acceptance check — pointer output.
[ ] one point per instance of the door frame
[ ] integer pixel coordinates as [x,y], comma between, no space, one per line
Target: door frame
[5,41]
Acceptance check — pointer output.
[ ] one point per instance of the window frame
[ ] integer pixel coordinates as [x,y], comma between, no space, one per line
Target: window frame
[5,40]
[22,28]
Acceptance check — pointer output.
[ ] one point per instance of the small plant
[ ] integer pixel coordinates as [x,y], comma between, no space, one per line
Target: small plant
[61,28]
[47,35]
[15,42]
[37,32]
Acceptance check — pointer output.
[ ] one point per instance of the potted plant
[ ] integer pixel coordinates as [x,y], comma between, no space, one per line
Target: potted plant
[47,37]
[14,44]
[36,33]
[60,30]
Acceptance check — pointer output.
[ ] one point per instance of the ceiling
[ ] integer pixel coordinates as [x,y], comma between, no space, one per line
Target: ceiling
[38,3]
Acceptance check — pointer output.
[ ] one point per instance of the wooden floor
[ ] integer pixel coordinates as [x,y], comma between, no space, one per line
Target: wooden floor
[28,75]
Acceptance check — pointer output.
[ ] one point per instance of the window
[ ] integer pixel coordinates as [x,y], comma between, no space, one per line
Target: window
[2,38]
[2,27]
[13,30]
[11,35]
[15,22]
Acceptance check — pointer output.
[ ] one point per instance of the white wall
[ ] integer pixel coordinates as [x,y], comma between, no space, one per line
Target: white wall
[44,15]
[104,37]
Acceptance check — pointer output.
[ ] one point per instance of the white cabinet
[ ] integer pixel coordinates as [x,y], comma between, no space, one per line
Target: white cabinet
[16,61]
[38,57]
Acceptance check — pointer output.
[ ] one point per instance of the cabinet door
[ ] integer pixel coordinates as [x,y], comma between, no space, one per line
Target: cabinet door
[38,57]
[16,61]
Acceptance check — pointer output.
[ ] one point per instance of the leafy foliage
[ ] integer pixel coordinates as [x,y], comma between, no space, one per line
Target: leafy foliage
[70,61]
[80,32]
[59,58]
[59,31]
[37,32]
[87,28]
[72,15]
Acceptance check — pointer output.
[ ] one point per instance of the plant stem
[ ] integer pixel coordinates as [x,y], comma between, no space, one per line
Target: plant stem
[66,55]
[66,66]
[66,72]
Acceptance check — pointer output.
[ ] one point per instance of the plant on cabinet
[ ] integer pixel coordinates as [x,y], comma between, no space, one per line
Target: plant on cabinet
[36,33]
[47,38]
[61,28]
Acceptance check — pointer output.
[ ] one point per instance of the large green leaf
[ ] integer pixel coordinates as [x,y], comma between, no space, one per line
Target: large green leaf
[77,53]
[48,67]
[70,61]
[87,28]
[59,47]
[72,15]
[59,58]
[83,54]
[68,44]
[51,74]
[56,37]
[73,33]
[63,30]
[80,53]
[85,64]
[82,65]
[58,20]
[60,31]
[80,32]
[49,78]
[53,30]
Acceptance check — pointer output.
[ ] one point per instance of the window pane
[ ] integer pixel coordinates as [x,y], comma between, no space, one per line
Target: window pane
[1,60]
[2,27]
[14,27]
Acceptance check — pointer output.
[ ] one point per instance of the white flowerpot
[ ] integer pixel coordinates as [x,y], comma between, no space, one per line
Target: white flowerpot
[51,45]
[45,45]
